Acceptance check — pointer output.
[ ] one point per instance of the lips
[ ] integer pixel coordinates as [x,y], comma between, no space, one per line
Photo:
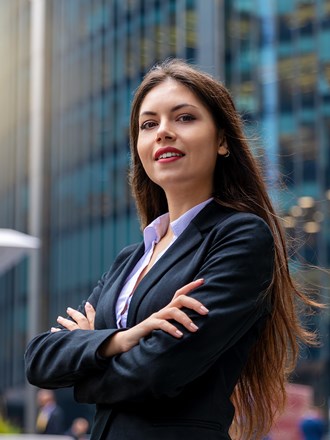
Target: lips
[167,152]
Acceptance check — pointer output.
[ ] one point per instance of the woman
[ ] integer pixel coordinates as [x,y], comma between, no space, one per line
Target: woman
[200,318]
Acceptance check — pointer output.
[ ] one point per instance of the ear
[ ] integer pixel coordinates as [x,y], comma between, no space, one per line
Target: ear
[223,148]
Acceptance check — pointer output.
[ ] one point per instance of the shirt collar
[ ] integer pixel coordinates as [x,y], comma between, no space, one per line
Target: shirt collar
[156,230]
[158,227]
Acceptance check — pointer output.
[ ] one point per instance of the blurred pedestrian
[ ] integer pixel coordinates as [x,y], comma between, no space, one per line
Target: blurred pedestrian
[312,425]
[50,419]
[78,429]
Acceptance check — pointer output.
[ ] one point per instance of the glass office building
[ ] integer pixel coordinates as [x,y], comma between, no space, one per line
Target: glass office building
[96,53]
[277,66]
[278,69]
[272,55]
[95,65]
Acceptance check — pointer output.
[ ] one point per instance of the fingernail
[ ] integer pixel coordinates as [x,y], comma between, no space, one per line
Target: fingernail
[200,279]
[204,309]
[88,304]
[179,333]
[69,309]
[193,326]
[59,318]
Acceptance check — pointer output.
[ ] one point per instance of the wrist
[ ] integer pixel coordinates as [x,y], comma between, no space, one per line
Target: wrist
[112,346]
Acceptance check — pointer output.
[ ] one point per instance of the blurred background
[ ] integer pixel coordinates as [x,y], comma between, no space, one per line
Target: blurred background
[67,76]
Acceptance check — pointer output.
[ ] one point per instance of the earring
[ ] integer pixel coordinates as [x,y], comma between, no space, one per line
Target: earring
[227,154]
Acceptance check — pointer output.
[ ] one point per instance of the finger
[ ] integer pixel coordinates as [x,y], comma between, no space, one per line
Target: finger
[75,315]
[80,319]
[55,329]
[90,313]
[169,328]
[67,323]
[179,316]
[190,303]
[188,287]
[182,318]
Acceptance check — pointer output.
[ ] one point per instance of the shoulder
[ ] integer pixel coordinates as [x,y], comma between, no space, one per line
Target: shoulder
[219,222]
[245,222]
[244,244]
[246,232]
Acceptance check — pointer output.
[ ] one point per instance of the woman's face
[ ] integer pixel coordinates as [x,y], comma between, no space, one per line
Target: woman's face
[178,141]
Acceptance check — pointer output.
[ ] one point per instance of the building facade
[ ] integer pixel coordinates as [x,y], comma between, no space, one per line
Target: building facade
[14,140]
[277,66]
[96,52]
[272,55]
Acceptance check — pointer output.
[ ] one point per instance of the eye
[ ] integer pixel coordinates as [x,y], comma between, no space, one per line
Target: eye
[147,125]
[186,118]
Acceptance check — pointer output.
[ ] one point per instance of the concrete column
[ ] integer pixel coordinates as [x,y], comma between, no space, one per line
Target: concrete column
[36,141]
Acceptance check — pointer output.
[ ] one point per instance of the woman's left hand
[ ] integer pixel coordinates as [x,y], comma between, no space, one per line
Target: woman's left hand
[79,321]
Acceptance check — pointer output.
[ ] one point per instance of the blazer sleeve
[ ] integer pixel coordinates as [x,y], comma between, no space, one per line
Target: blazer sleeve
[237,270]
[56,360]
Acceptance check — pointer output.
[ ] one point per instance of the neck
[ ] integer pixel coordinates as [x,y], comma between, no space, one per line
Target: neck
[181,203]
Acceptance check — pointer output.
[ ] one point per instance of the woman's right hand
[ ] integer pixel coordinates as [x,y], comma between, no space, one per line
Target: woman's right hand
[125,340]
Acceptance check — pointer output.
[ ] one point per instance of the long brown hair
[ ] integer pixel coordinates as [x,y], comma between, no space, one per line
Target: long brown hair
[238,183]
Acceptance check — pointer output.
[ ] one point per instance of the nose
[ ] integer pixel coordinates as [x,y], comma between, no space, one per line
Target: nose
[164,132]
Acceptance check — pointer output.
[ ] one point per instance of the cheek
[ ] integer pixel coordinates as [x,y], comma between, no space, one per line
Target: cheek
[142,153]
[139,149]
[208,160]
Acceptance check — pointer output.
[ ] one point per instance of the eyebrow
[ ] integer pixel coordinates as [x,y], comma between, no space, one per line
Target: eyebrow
[173,109]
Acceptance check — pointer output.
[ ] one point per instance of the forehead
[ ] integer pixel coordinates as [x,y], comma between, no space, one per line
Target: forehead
[169,92]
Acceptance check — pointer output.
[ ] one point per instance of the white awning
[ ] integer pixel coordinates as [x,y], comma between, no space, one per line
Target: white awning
[14,246]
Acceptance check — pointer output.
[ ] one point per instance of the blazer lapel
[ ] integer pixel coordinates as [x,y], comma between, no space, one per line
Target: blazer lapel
[191,237]
[117,281]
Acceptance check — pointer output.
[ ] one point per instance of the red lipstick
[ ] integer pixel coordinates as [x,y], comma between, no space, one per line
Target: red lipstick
[168,153]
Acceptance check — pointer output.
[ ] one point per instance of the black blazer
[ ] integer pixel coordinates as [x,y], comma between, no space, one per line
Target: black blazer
[168,388]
